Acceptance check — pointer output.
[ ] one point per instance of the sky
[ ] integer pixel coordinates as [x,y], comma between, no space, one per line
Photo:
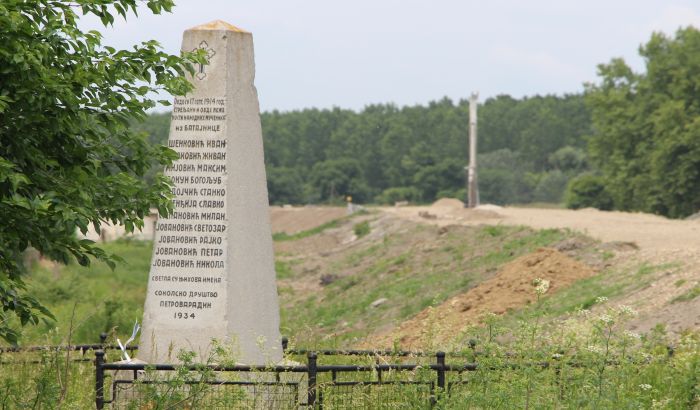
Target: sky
[349,54]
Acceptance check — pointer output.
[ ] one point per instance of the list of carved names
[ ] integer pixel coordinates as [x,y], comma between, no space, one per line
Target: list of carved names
[189,262]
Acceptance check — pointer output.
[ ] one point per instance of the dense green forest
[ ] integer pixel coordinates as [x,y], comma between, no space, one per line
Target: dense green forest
[529,148]
[629,142]
[647,140]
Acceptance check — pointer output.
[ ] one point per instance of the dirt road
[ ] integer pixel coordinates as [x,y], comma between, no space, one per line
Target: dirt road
[649,232]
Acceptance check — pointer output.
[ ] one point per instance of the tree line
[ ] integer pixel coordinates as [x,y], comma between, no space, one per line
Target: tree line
[646,144]
[528,150]
[630,142]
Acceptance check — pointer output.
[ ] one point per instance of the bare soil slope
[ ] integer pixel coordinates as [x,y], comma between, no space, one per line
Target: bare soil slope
[291,220]
[511,288]
[336,287]
[651,263]
[637,238]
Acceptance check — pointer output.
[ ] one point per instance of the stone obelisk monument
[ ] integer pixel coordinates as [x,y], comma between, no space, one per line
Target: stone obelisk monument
[212,271]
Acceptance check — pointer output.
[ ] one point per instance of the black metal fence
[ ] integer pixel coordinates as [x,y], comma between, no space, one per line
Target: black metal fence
[310,385]
[82,349]
[372,379]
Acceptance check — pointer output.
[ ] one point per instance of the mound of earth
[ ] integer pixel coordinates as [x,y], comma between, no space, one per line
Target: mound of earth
[475,215]
[511,288]
[447,203]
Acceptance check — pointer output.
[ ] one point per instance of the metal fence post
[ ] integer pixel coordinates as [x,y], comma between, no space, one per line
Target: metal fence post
[440,358]
[103,339]
[285,344]
[99,379]
[311,369]
[435,393]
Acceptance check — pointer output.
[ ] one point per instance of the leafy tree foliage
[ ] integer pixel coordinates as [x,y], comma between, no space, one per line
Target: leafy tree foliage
[569,160]
[68,158]
[418,153]
[647,127]
[397,194]
[285,185]
[503,176]
[156,129]
[550,187]
[336,179]
[587,191]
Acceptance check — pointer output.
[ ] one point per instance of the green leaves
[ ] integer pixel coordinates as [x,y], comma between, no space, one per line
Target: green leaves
[68,158]
[419,152]
[646,140]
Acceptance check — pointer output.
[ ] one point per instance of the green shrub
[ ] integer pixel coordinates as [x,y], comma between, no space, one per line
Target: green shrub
[392,195]
[460,194]
[361,229]
[588,191]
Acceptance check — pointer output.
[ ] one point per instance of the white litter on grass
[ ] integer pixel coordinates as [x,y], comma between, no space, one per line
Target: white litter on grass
[123,347]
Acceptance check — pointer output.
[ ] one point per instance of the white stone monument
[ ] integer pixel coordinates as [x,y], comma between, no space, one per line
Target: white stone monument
[212,271]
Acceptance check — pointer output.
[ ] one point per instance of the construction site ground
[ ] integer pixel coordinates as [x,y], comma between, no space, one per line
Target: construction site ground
[658,260]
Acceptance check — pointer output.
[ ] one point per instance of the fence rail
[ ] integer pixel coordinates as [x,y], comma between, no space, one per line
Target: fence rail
[318,391]
[375,383]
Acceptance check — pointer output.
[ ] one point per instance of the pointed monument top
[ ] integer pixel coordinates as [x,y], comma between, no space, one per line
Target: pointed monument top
[218,25]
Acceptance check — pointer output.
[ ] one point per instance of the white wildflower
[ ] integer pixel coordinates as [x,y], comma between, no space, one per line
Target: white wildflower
[632,335]
[626,310]
[583,312]
[601,299]
[606,319]
[645,386]
[594,349]
[660,404]
[557,356]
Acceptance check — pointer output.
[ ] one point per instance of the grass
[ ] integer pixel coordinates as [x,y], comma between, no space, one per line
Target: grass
[412,270]
[410,278]
[99,299]
[283,269]
[283,236]
[691,294]
[586,293]
[47,380]
[361,229]
[592,364]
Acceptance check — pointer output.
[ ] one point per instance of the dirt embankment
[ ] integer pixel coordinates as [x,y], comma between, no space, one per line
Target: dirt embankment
[632,243]
[673,246]
[512,288]
[650,232]
[291,220]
